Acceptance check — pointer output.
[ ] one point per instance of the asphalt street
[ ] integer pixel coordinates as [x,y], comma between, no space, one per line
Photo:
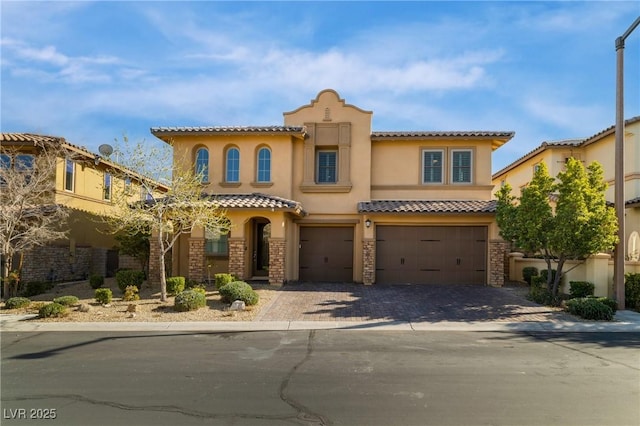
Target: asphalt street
[320,377]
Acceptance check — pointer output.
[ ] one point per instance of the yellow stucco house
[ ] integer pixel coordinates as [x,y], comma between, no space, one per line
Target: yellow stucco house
[325,198]
[87,184]
[601,148]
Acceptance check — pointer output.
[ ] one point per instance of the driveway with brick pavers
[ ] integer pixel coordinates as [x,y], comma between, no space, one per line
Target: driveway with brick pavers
[431,303]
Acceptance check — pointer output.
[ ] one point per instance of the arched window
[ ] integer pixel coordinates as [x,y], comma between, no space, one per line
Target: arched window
[264,165]
[233,165]
[202,164]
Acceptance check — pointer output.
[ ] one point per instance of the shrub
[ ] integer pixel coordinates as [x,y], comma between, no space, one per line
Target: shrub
[632,291]
[223,279]
[33,288]
[96,281]
[131,294]
[590,308]
[189,283]
[189,300]
[199,289]
[539,293]
[66,300]
[52,310]
[175,285]
[16,303]
[609,302]
[103,295]
[581,288]
[239,290]
[126,278]
[528,272]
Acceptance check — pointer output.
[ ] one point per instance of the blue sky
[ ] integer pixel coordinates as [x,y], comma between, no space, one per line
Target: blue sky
[94,71]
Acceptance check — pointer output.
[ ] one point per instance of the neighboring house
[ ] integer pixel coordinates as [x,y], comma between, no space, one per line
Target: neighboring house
[323,198]
[601,148]
[86,184]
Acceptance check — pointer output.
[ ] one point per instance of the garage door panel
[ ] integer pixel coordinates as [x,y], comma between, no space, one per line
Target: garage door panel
[431,254]
[326,254]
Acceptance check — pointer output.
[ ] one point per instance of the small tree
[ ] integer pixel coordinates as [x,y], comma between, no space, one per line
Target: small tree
[582,224]
[136,245]
[167,210]
[29,216]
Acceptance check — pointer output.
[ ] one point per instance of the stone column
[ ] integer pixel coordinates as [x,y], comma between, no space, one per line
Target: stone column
[154,262]
[497,250]
[196,259]
[236,257]
[369,261]
[276,261]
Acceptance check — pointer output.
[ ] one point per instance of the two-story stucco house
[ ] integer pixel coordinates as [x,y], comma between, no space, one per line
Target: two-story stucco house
[601,148]
[325,198]
[87,184]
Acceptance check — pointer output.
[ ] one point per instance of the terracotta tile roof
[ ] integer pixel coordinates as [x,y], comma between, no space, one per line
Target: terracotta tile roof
[256,201]
[634,202]
[441,134]
[181,130]
[427,206]
[28,138]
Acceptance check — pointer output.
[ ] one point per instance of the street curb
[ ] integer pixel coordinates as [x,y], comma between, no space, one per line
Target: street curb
[20,324]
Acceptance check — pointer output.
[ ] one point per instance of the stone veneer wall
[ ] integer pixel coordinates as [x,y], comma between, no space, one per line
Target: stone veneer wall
[497,251]
[196,259]
[128,262]
[369,261]
[154,263]
[54,263]
[276,260]
[236,257]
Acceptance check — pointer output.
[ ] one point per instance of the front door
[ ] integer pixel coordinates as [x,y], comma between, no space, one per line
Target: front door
[261,236]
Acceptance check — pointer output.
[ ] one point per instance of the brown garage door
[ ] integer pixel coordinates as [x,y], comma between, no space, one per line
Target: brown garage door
[431,254]
[326,254]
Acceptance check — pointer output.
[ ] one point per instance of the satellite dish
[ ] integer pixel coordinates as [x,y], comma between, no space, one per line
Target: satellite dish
[634,246]
[105,149]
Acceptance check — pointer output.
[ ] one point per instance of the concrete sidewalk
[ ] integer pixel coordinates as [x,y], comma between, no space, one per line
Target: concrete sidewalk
[625,321]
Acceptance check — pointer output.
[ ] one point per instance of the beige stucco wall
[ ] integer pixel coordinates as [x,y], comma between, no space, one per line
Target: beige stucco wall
[185,148]
[328,108]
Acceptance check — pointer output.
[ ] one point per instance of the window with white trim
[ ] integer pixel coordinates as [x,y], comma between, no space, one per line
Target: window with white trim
[327,166]
[461,166]
[233,165]
[202,164]
[69,174]
[432,166]
[107,186]
[264,165]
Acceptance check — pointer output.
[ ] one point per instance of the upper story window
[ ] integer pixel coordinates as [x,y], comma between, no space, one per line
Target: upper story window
[432,165]
[69,174]
[202,164]
[264,165]
[24,163]
[461,166]
[106,188]
[326,167]
[233,165]
[127,185]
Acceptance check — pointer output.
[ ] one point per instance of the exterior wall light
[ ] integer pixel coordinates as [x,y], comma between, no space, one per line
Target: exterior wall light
[367,223]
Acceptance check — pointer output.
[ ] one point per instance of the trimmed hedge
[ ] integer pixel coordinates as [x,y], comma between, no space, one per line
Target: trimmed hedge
[175,285]
[96,281]
[52,310]
[632,291]
[16,303]
[581,288]
[103,295]
[127,277]
[189,300]
[239,290]
[66,300]
[590,308]
[131,294]
[528,272]
[223,279]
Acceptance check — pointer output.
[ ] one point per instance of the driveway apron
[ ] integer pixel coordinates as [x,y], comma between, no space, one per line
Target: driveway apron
[431,303]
